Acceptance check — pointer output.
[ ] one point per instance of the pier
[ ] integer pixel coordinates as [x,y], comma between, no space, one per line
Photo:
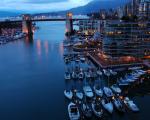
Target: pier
[111,64]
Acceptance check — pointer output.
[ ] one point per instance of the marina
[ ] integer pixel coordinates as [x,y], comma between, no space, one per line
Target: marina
[17,35]
[104,90]
[48,57]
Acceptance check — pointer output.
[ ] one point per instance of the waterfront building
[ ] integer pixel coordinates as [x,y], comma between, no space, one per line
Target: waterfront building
[128,40]
[89,27]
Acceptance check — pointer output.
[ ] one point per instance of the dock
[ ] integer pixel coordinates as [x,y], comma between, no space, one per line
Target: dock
[105,65]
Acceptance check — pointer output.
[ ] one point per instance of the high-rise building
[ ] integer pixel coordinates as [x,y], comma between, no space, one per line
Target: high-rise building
[144,9]
[135,7]
[128,9]
[132,8]
[120,12]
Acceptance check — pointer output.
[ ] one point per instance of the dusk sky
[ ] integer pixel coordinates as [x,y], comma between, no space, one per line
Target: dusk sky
[40,5]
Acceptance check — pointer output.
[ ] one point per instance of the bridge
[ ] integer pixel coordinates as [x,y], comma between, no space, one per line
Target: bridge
[40,20]
[26,22]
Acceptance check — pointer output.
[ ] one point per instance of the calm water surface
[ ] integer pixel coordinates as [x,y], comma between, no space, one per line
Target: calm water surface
[31,76]
[32,79]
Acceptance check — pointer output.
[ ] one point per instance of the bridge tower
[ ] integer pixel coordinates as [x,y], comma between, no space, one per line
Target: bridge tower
[27,25]
[69,23]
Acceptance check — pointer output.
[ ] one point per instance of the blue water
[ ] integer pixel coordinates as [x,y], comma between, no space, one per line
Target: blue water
[31,76]
[32,79]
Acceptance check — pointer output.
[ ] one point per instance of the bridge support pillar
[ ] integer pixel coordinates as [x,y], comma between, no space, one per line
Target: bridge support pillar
[69,24]
[27,25]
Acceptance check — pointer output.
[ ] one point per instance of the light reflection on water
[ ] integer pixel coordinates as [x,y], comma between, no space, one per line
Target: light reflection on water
[46,47]
[38,47]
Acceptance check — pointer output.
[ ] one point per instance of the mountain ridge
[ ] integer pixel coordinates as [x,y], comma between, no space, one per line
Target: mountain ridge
[93,6]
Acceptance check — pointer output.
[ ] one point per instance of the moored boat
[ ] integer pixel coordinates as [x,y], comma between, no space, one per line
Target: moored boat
[81,75]
[118,104]
[86,110]
[131,105]
[82,59]
[79,95]
[107,105]
[66,60]
[97,110]
[77,60]
[108,92]
[98,91]
[99,73]
[73,111]
[67,76]
[87,75]
[68,94]
[106,72]
[113,72]
[115,88]
[88,91]
[123,82]
[74,75]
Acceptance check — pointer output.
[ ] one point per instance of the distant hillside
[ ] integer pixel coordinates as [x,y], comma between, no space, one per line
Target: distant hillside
[93,6]
[8,14]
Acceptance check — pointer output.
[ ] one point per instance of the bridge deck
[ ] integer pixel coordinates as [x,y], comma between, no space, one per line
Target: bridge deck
[38,20]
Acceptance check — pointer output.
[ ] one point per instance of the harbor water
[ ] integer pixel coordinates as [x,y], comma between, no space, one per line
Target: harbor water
[32,79]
